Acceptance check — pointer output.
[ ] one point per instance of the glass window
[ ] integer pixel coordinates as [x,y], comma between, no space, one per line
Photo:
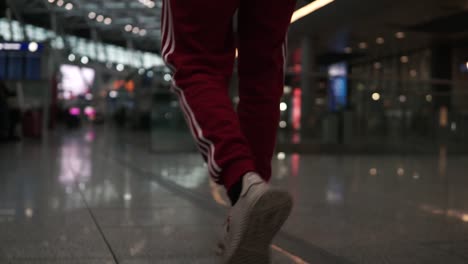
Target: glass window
[40,34]
[5,30]
[112,53]
[30,32]
[17,31]
[101,56]
[91,49]
[96,51]
[57,43]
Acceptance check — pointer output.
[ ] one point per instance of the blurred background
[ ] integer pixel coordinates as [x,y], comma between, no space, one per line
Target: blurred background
[372,140]
[386,76]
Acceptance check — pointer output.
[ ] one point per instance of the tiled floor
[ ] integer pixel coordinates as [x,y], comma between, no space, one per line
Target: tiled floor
[93,197]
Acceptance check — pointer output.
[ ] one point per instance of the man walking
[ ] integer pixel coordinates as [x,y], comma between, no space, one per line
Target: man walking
[198,44]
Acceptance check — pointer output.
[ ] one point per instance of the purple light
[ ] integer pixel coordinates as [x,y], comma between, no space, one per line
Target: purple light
[74,111]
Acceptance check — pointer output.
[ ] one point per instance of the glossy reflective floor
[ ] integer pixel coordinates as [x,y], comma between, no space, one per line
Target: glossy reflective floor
[93,196]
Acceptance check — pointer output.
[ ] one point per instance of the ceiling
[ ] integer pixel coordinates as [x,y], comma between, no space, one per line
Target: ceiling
[343,23]
[347,23]
[143,14]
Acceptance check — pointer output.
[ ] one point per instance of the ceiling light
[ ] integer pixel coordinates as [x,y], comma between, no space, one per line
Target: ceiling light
[120,67]
[310,8]
[401,171]
[453,126]
[71,57]
[375,96]
[92,15]
[429,98]
[281,155]
[402,98]
[151,4]
[100,18]
[380,40]
[143,32]
[465,218]
[348,50]
[85,60]
[136,30]
[413,73]
[283,106]
[377,65]
[113,94]
[400,35]
[51,1]
[108,21]
[128,28]
[404,59]
[33,46]
[69,6]
[60,2]
[363,45]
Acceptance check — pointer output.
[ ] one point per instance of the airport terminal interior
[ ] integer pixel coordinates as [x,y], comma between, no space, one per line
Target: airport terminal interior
[98,166]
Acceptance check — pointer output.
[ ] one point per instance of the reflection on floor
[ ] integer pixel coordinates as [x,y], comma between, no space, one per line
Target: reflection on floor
[92,197]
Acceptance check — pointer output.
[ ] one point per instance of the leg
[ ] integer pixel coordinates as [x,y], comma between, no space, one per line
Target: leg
[198,44]
[262,31]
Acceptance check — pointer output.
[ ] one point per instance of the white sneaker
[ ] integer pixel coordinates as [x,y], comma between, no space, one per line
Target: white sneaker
[254,220]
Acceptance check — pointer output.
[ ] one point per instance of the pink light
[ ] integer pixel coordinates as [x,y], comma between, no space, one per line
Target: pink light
[296,138]
[89,110]
[296,111]
[74,111]
[295,163]
[90,136]
[297,68]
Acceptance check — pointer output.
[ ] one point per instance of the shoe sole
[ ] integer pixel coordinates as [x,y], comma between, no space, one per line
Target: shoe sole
[265,218]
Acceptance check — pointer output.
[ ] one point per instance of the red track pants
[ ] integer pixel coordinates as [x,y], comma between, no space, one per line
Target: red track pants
[198,43]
